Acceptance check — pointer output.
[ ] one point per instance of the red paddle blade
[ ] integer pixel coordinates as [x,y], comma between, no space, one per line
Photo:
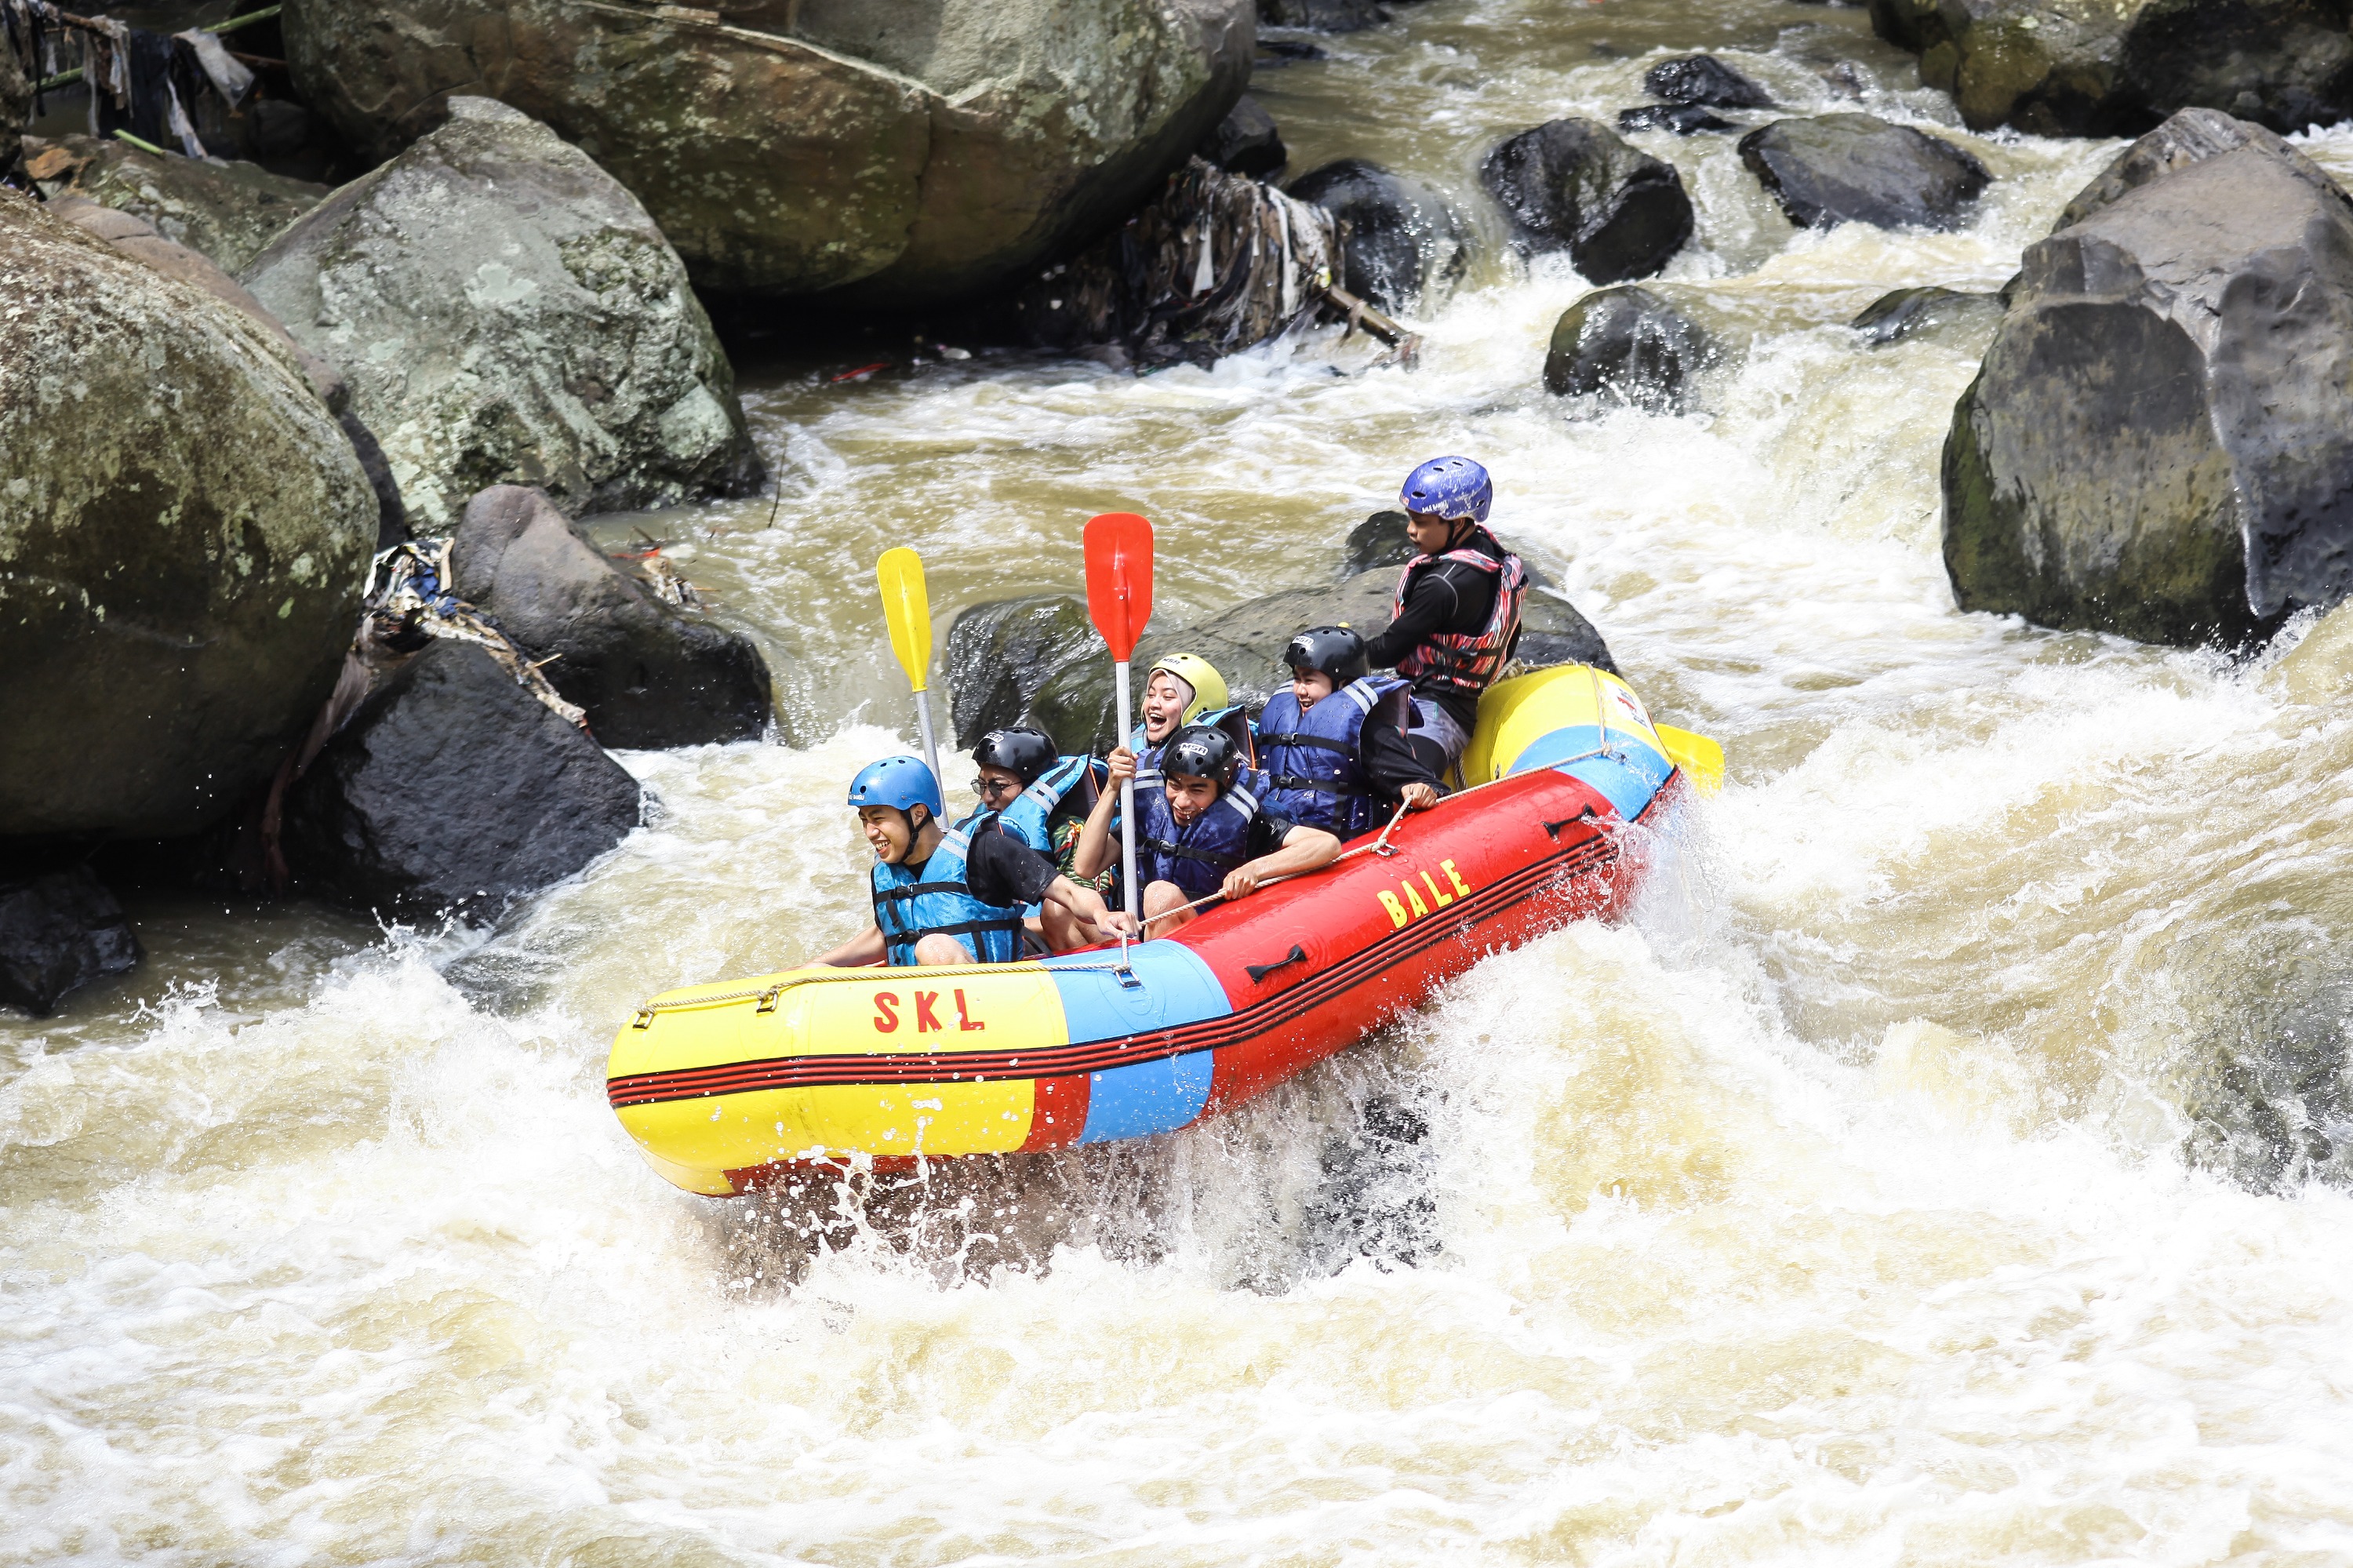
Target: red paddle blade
[1119,579]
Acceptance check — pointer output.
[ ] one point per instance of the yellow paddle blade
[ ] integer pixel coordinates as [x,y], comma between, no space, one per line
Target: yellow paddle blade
[1695,754]
[909,612]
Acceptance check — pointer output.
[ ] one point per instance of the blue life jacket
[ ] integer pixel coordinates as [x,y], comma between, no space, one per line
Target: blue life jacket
[908,909]
[1197,855]
[1312,763]
[1029,817]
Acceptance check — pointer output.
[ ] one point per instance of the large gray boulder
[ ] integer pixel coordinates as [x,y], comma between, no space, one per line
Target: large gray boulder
[507,314]
[453,788]
[1400,242]
[1628,346]
[1577,185]
[1842,168]
[227,212]
[185,534]
[646,674]
[2158,443]
[2057,68]
[918,150]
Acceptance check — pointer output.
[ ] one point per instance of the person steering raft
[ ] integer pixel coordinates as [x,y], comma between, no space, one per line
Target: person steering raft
[1203,831]
[1332,745]
[956,896]
[1457,611]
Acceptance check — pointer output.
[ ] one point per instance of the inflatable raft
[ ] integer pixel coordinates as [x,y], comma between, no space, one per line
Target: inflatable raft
[727,1087]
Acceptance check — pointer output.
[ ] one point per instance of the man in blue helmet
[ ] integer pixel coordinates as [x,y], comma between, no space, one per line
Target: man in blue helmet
[953,895]
[1457,611]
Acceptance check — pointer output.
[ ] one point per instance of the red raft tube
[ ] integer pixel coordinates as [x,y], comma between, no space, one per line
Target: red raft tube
[725,1087]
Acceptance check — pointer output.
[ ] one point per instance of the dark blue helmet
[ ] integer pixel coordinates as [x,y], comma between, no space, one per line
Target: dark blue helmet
[1449,487]
[899,781]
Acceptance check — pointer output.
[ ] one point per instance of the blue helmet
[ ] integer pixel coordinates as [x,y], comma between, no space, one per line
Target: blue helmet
[899,781]
[1451,487]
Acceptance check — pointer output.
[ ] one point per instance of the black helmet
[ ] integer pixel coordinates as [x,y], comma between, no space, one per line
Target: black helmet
[1201,751]
[1334,650]
[1025,753]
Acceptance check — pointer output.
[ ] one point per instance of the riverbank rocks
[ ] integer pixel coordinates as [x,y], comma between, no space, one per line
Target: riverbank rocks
[2157,444]
[1628,346]
[1037,659]
[917,152]
[226,212]
[1903,314]
[1246,142]
[507,314]
[646,674]
[1400,241]
[58,933]
[1842,168]
[184,534]
[1576,185]
[2058,69]
[1703,79]
[453,788]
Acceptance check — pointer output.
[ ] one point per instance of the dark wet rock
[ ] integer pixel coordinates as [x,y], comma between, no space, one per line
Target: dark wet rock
[1321,15]
[392,513]
[1628,344]
[1275,53]
[1554,631]
[1246,142]
[2155,444]
[58,933]
[15,107]
[1038,658]
[2060,69]
[1682,119]
[1379,541]
[184,532]
[1573,184]
[1910,313]
[227,212]
[507,314]
[1703,79]
[453,787]
[915,151]
[1840,168]
[646,672]
[1402,242]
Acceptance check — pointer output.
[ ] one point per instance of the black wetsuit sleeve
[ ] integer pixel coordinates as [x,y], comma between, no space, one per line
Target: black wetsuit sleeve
[1267,831]
[1391,764]
[1433,604]
[1002,870]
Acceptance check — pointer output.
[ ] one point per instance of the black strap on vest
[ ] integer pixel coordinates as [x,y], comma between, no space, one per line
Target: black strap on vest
[1183,851]
[1266,741]
[1290,782]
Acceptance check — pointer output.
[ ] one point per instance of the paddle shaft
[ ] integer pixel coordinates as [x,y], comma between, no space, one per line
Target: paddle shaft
[931,747]
[1126,801]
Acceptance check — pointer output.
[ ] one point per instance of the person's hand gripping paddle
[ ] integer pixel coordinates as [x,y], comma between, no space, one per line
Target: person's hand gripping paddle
[909,612]
[1119,598]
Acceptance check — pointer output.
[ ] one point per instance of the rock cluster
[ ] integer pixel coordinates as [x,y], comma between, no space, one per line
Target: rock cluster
[1576,186]
[507,314]
[226,212]
[915,153]
[2155,443]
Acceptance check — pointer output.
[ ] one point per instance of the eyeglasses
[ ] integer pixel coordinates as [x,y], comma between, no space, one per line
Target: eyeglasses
[989,788]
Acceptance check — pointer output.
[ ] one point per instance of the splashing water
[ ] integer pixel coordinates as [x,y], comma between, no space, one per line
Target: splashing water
[1944,1166]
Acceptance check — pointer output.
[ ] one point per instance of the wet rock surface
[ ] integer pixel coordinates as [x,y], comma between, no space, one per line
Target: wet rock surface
[1903,314]
[1379,541]
[1246,142]
[58,933]
[1842,168]
[2155,443]
[1626,345]
[1682,119]
[2062,69]
[1400,242]
[1323,15]
[921,150]
[186,538]
[507,314]
[647,673]
[453,788]
[227,213]
[1703,79]
[1576,185]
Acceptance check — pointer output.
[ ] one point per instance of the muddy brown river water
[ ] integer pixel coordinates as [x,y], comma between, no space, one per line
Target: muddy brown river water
[1944,1165]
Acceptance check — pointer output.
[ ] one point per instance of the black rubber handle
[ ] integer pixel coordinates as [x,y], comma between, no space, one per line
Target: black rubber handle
[1553,829]
[1260,971]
